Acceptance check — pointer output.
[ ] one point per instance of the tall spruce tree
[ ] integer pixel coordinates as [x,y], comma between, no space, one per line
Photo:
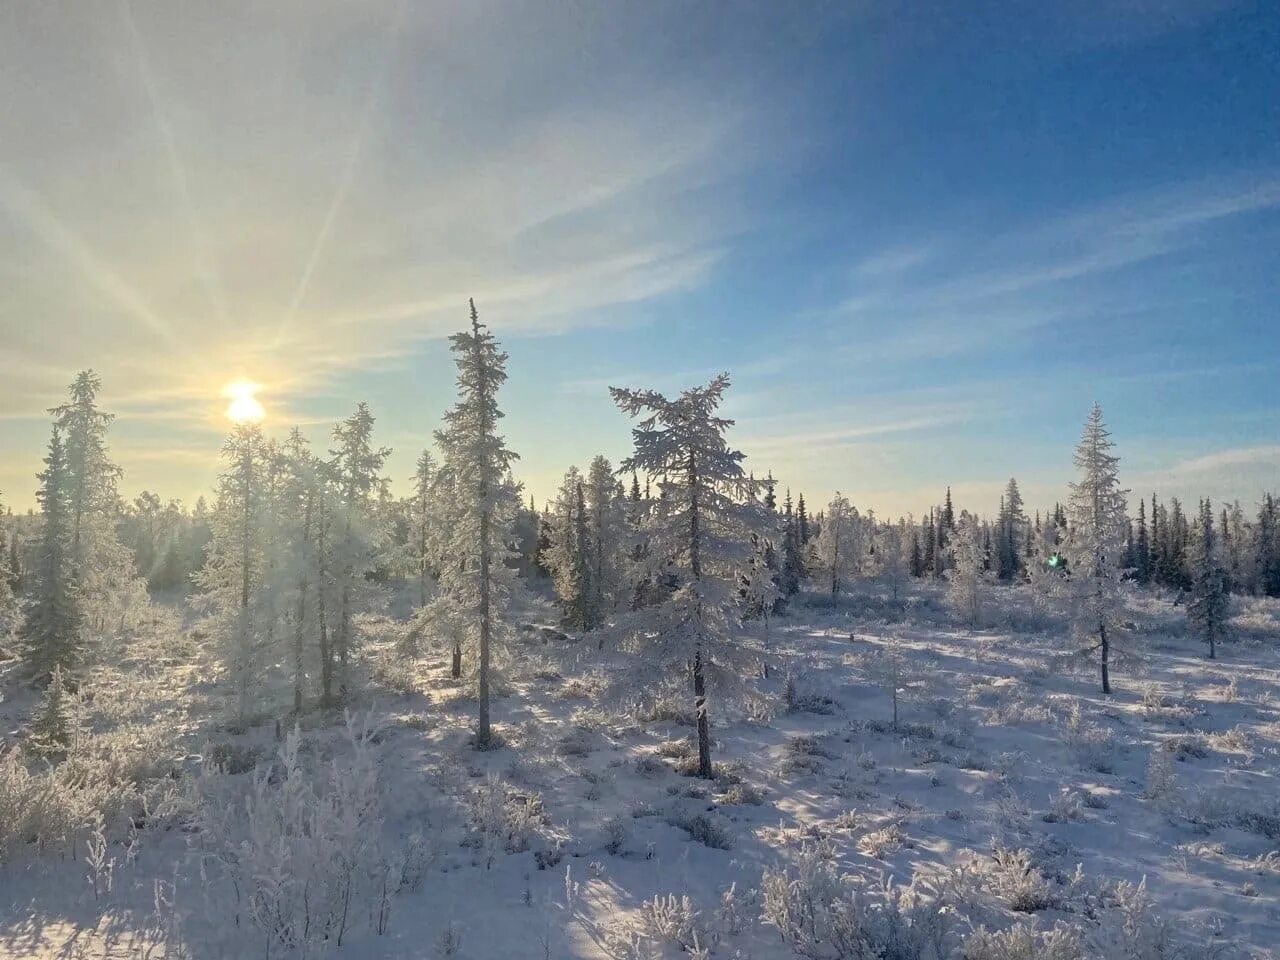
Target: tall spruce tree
[356,469]
[701,532]
[111,592]
[485,498]
[52,630]
[1095,542]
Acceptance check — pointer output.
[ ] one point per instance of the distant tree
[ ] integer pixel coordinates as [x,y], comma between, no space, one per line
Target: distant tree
[485,500]
[1208,609]
[1142,547]
[606,525]
[1010,534]
[570,545]
[792,570]
[421,505]
[1267,547]
[966,577]
[841,547]
[701,533]
[893,542]
[52,629]
[8,578]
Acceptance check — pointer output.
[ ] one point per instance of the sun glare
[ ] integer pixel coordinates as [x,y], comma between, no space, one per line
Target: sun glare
[244,406]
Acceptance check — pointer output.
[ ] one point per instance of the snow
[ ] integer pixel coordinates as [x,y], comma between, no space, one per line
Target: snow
[1000,745]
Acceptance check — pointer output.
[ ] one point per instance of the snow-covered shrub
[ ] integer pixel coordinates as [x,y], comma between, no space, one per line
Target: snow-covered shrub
[502,819]
[1066,806]
[879,843]
[742,794]
[824,916]
[804,754]
[708,830]
[302,852]
[232,758]
[1162,781]
[1187,746]
[1013,879]
[673,920]
[1022,942]
[1092,745]
[616,835]
[1132,930]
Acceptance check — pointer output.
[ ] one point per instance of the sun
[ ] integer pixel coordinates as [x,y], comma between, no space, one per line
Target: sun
[244,406]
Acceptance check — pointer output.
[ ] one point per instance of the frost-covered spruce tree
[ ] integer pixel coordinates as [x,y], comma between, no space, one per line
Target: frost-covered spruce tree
[966,577]
[111,593]
[52,630]
[841,546]
[298,509]
[570,546]
[421,503]
[485,499]
[356,469]
[1094,545]
[606,519]
[8,602]
[699,536]
[232,581]
[55,721]
[1208,609]
[1010,534]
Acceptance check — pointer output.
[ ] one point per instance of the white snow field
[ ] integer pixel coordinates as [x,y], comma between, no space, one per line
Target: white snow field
[1010,796]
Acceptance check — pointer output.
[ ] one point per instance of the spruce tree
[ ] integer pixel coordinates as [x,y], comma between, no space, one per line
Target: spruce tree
[479,461]
[1267,548]
[1142,547]
[52,630]
[55,720]
[420,516]
[605,516]
[233,581]
[111,592]
[1208,609]
[792,572]
[356,469]
[700,533]
[1095,542]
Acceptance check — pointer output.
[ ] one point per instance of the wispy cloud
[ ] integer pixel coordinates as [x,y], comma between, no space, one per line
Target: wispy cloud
[966,291]
[1266,456]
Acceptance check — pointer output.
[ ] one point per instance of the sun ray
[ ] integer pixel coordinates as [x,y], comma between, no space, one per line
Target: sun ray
[27,208]
[210,276]
[344,184]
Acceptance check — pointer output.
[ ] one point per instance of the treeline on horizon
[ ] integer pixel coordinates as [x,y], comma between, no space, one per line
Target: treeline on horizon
[665,555]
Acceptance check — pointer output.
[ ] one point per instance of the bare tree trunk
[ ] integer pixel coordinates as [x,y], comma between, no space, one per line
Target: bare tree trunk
[1106,656]
[704,727]
[483,732]
[300,626]
[699,673]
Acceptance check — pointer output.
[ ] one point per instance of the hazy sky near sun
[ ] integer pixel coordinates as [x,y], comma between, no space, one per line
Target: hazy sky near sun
[922,237]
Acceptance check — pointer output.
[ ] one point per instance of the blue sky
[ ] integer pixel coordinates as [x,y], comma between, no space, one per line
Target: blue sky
[923,238]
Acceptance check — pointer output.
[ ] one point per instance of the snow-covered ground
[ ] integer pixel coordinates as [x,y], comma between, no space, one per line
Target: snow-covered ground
[1010,790]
